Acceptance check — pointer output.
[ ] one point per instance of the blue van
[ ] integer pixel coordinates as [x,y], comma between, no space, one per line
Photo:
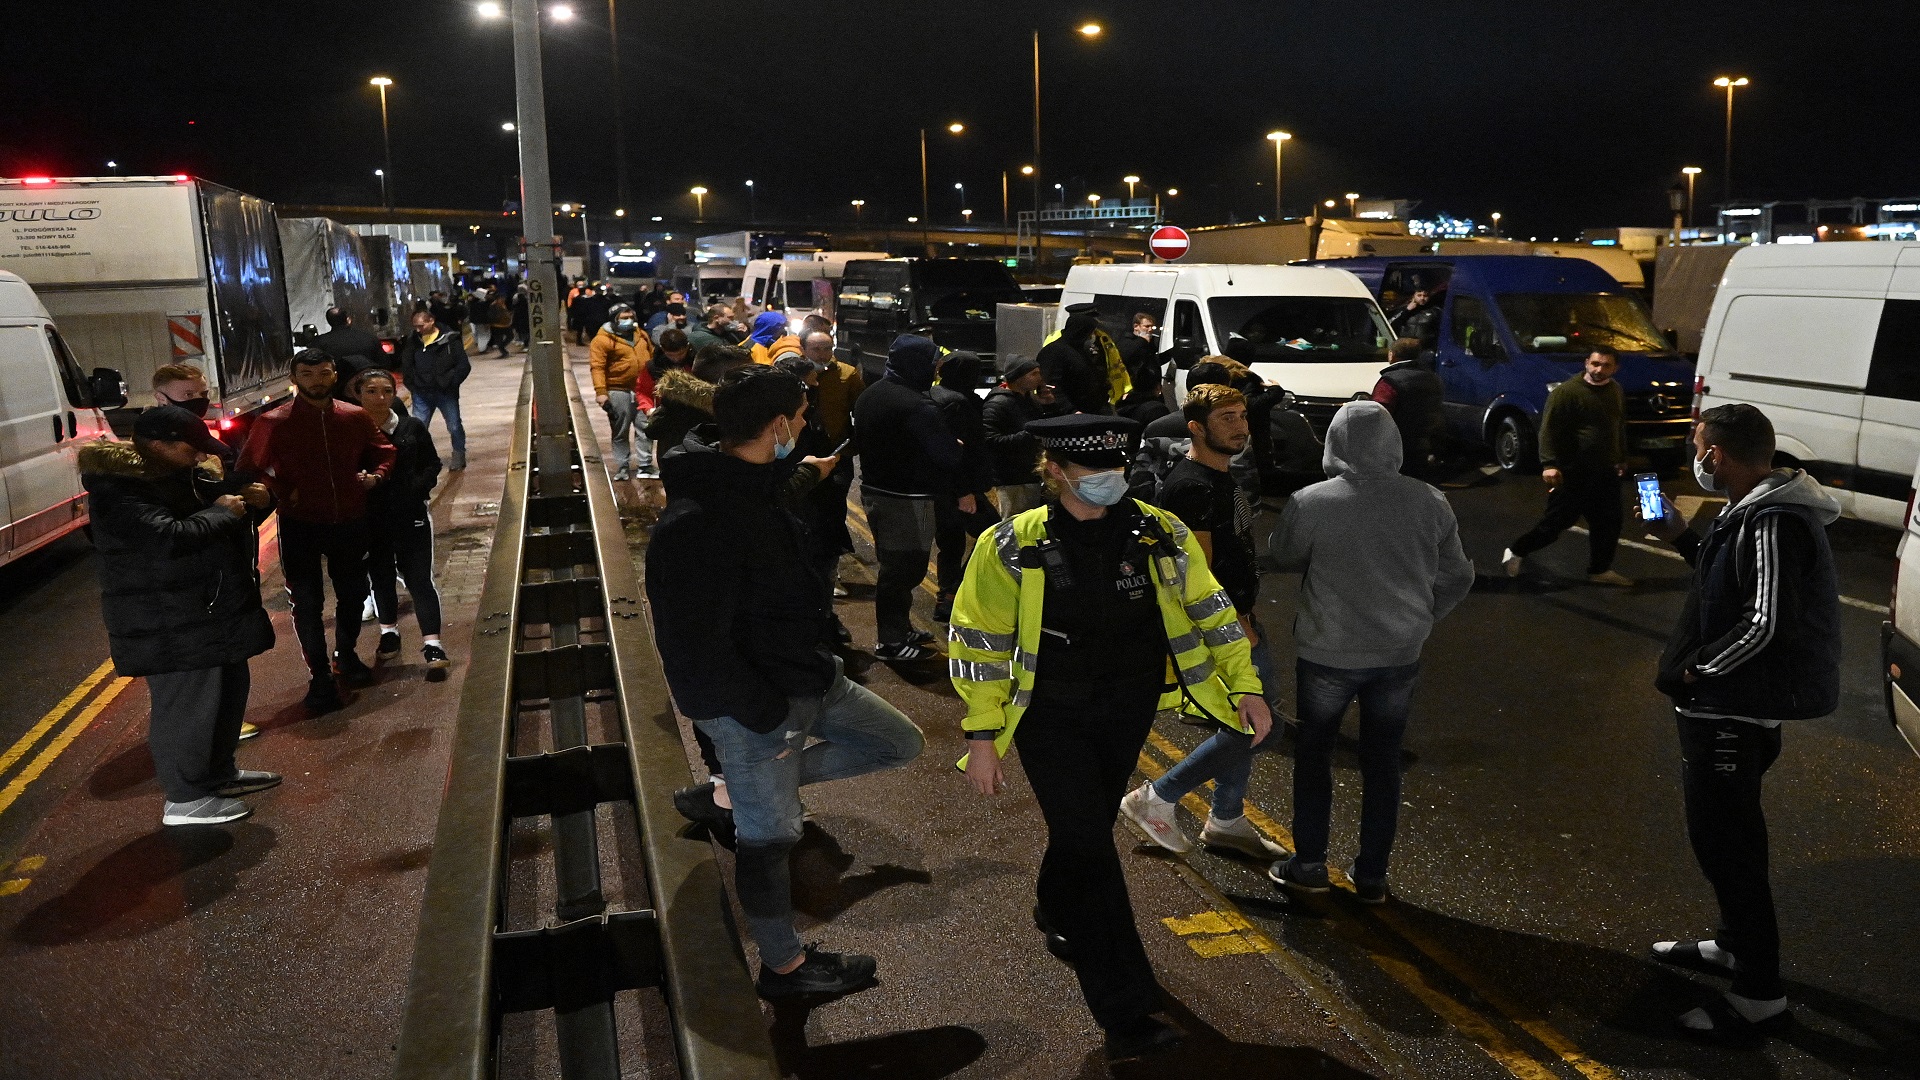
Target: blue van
[1513,325]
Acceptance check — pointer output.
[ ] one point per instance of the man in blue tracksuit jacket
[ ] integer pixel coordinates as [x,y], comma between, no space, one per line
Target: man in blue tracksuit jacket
[1758,644]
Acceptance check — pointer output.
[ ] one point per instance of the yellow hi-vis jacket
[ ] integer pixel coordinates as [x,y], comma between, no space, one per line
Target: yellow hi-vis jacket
[993,638]
[1118,380]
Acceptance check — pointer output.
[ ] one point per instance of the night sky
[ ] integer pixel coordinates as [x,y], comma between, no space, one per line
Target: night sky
[1559,115]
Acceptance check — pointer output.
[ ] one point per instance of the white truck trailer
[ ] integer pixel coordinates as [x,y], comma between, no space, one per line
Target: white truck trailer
[141,272]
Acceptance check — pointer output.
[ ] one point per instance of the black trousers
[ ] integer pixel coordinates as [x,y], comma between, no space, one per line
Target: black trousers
[1591,495]
[194,726]
[1723,762]
[405,547]
[953,533]
[1079,751]
[304,546]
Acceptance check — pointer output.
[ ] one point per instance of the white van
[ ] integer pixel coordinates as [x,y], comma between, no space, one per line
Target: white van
[800,286]
[1825,338]
[1315,331]
[49,409]
[1900,636]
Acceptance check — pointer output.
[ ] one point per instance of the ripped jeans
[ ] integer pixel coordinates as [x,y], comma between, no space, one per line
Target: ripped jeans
[856,732]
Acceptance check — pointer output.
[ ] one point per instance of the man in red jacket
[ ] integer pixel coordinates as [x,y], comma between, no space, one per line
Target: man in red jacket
[320,457]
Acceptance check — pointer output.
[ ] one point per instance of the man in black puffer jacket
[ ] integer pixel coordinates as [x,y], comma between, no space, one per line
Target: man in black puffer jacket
[742,618]
[1758,644]
[1023,395]
[181,599]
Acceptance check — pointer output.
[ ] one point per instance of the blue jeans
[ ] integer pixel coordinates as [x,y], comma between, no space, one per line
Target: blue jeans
[447,402]
[857,733]
[631,449]
[1324,692]
[1227,757]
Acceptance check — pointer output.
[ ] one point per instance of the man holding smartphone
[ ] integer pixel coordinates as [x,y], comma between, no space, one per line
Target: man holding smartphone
[1758,644]
[1583,439]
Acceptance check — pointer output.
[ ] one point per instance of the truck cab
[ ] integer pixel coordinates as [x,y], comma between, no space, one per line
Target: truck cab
[1511,326]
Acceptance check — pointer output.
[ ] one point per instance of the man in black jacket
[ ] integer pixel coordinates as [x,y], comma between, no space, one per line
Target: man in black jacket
[954,395]
[742,620]
[1758,644]
[433,361]
[1023,395]
[909,460]
[1144,403]
[1414,395]
[353,349]
[181,598]
[1078,363]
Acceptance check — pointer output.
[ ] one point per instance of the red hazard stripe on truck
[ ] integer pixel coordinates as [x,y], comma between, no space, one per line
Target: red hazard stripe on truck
[185,331]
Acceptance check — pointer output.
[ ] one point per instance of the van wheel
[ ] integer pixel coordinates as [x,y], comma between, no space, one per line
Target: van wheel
[1513,445]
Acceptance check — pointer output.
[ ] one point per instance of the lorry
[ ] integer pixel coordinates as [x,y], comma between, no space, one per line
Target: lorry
[954,301]
[1297,241]
[141,272]
[390,287]
[326,266]
[49,409]
[1511,326]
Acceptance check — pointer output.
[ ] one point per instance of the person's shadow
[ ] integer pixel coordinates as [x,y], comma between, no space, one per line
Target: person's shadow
[147,883]
[1207,1054]
[925,1054]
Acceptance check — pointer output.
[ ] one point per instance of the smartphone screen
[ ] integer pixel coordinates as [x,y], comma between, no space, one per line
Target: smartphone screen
[842,448]
[1651,508]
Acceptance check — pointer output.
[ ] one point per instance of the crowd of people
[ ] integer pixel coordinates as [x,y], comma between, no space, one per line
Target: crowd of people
[1096,561]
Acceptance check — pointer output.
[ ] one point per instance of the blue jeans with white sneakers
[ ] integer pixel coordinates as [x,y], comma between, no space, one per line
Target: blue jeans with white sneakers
[1227,757]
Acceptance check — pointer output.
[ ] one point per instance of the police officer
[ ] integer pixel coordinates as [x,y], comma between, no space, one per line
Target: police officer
[1111,602]
[1083,363]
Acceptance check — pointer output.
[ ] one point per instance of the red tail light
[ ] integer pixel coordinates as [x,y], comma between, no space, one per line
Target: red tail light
[386,347]
[1699,388]
[226,423]
[36,179]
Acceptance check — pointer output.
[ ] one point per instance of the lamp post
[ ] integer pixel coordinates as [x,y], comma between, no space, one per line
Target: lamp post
[699,203]
[966,216]
[1279,140]
[1094,198]
[962,189]
[1129,181]
[955,128]
[619,106]
[1086,30]
[381,82]
[1353,204]
[1676,202]
[857,204]
[753,207]
[1496,224]
[381,175]
[1726,169]
[1690,172]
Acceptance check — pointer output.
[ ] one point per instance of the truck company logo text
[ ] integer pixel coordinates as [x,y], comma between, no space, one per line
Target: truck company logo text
[78,213]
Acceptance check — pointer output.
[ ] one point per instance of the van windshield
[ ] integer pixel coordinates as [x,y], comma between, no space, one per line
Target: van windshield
[1578,322]
[1301,329]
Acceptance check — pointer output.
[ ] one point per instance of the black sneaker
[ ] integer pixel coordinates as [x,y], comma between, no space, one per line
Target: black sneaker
[351,671]
[1142,1038]
[437,662]
[1293,874]
[921,637]
[821,973]
[696,805]
[322,696]
[905,651]
[1368,891]
[1056,943]
[245,782]
[389,646]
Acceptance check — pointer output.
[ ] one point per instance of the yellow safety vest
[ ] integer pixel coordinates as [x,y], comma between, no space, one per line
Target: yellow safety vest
[1118,380]
[993,638]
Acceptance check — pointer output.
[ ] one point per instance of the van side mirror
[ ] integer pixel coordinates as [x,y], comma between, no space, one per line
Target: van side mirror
[1486,347]
[106,389]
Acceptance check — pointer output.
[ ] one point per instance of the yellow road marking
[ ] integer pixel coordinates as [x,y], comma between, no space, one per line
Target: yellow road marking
[54,749]
[1208,922]
[14,885]
[1526,1019]
[25,742]
[29,864]
[857,521]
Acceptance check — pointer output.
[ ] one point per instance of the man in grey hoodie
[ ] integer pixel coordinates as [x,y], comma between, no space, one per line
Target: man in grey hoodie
[1381,561]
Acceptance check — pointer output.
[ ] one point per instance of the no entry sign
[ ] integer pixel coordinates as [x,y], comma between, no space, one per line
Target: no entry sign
[1168,242]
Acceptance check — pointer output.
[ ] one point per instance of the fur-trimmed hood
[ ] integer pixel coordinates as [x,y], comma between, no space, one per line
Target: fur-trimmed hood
[684,388]
[111,458]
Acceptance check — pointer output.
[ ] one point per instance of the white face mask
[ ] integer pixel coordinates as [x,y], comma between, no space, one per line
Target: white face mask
[1702,476]
[782,449]
[1102,488]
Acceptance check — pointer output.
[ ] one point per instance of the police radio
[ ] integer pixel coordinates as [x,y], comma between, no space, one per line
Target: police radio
[1049,555]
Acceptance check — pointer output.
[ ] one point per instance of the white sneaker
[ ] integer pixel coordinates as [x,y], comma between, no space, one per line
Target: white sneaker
[1240,835]
[212,810]
[1611,577]
[1510,562]
[368,613]
[1156,816]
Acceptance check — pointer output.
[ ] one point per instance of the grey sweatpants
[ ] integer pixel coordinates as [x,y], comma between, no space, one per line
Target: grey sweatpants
[194,727]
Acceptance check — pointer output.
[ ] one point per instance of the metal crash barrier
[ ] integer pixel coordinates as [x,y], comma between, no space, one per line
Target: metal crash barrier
[561,634]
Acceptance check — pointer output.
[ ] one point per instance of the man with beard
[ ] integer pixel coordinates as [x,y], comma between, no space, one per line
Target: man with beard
[1084,364]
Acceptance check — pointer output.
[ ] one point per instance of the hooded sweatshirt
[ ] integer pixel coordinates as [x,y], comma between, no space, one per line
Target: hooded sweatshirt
[1380,551]
[1760,632]
[906,449]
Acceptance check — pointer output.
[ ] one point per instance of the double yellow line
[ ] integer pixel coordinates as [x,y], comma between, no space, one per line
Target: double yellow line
[64,738]
[857,521]
[1494,1042]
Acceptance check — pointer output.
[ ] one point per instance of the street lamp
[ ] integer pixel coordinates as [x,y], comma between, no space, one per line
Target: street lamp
[1129,181]
[857,204]
[1279,140]
[699,203]
[967,216]
[1353,204]
[1691,171]
[962,189]
[382,174]
[561,12]
[753,213]
[1089,31]
[381,82]
[1726,169]
[955,128]
[1496,224]
[1094,198]
[490,10]
[507,125]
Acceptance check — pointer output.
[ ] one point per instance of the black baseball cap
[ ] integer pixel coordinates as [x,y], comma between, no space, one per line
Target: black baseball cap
[172,423]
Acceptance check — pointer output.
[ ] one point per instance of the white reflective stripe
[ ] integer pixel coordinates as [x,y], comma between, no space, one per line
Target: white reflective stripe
[1224,635]
[979,639]
[1180,532]
[1020,698]
[1184,643]
[1007,542]
[974,671]
[1025,659]
[1208,606]
[1198,673]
